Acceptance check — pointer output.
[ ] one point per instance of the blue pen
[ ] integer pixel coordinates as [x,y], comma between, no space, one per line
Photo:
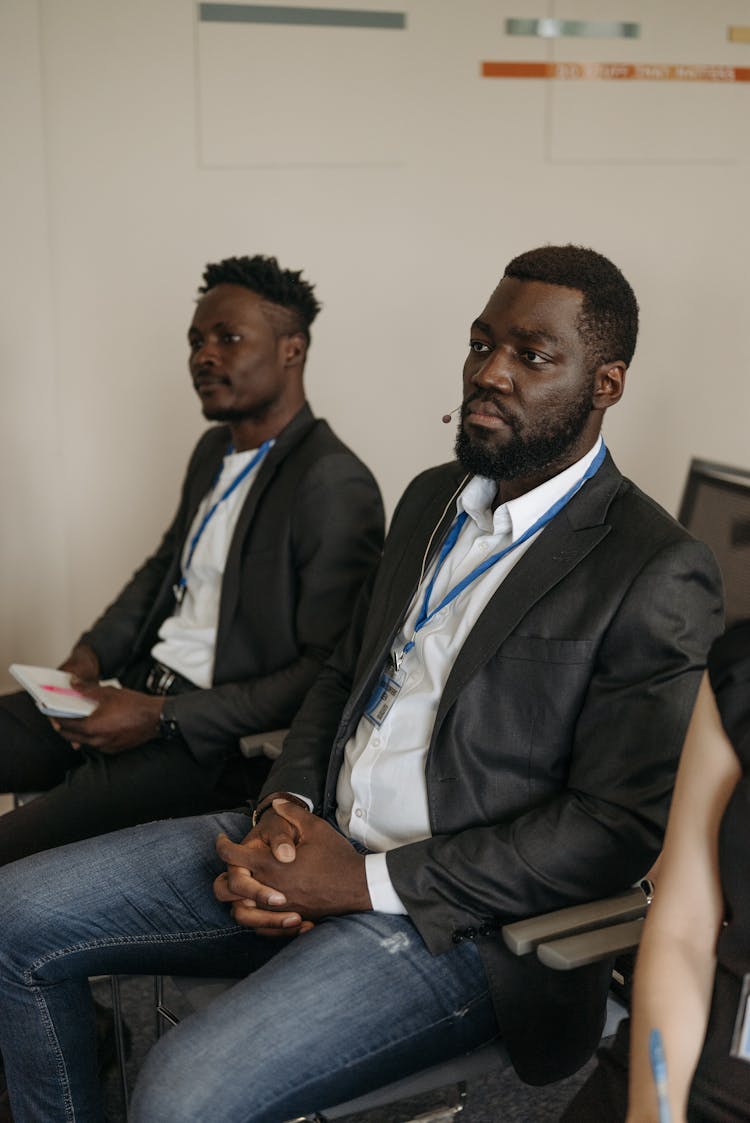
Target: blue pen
[659,1070]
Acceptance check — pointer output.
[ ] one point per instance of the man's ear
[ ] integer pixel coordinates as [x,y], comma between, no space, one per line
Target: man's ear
[609,384]
[293,349]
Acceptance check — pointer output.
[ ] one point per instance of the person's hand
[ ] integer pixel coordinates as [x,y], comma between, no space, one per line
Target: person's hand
[122,719]
[255,904]
[306,861]
[82,663]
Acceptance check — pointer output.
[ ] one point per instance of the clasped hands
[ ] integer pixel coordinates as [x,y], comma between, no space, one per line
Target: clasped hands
[291,870]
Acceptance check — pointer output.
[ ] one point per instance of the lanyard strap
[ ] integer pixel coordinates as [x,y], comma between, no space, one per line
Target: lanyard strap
[425,614]
[215,506]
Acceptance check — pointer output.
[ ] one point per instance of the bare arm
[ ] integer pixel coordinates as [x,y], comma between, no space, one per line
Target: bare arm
[674,975]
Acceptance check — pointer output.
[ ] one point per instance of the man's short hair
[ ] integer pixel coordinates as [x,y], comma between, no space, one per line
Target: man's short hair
[282,288]
[608,322]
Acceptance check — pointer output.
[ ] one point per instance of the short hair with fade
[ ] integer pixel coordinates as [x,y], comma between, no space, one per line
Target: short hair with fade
[608,322]
[282,288]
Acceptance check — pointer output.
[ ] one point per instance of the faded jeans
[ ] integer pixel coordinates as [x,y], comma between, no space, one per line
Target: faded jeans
[315,1020]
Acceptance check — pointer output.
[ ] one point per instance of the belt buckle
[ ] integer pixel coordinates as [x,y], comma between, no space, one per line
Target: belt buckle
[160,679]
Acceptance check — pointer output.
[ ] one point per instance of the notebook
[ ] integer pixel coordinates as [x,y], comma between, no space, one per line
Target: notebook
[52,692]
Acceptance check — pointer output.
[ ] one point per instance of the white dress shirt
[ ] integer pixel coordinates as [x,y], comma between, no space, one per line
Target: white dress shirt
[382,789]
[187,639]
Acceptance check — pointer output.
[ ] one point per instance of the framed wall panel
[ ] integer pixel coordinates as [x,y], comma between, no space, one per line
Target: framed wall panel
[284,94]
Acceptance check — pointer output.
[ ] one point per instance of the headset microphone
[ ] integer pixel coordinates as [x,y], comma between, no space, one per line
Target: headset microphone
[447,416]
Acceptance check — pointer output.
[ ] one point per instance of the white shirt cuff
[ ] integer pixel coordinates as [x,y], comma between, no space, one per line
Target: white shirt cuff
[307,802]
[383,896]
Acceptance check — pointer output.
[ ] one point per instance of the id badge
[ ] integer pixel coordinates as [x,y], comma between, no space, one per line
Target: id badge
[384,695]
[740,1047]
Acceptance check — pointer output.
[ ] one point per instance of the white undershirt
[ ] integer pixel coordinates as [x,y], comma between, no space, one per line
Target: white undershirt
[382,789]
[188,637]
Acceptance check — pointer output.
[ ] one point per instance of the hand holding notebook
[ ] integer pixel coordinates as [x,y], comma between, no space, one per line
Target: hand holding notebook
[52,692]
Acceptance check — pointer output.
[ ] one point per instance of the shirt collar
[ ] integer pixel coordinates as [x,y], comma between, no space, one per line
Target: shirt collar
[519,514]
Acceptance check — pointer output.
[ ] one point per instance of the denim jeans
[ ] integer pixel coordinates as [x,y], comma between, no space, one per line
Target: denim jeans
[354,1003]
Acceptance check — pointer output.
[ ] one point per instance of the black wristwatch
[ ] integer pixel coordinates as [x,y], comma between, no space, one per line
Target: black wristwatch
[169,729]
[260,810]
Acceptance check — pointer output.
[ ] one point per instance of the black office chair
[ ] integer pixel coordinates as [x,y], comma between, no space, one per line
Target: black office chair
[715,508]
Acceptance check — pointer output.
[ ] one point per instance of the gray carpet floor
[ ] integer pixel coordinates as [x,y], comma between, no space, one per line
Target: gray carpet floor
[496,1098]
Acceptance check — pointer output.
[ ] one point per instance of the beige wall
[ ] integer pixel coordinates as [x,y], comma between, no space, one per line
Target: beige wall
[138,144]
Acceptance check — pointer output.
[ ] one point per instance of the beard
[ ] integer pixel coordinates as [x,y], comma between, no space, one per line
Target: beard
[226,416]
[233,415]
[529,449]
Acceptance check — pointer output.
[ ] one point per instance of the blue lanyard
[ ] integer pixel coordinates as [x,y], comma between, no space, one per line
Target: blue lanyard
[180,588]
[425,616]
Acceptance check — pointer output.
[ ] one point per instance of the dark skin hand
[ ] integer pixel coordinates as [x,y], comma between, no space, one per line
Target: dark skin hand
[82,663]
[289,871]
[122,719]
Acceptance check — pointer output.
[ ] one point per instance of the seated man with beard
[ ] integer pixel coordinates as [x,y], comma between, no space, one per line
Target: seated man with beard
[496,737]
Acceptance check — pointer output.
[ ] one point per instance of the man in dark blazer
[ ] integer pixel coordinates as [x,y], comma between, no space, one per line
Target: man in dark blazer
[496,737]
[226,642]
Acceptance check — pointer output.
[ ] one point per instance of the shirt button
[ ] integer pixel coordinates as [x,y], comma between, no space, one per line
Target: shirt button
[359,813]
[376,742]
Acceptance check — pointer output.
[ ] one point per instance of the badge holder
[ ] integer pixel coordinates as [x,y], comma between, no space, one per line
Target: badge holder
[384,695]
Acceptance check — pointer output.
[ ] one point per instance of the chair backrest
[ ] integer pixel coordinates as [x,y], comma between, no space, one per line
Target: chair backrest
[715,508]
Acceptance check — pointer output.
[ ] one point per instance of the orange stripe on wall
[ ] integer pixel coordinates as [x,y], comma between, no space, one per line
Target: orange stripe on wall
[617,71]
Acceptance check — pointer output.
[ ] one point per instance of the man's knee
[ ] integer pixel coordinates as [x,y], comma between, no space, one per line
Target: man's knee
[171,1089]
[33,757]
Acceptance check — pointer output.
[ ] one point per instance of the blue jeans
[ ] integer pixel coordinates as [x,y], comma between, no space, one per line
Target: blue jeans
[353,1004]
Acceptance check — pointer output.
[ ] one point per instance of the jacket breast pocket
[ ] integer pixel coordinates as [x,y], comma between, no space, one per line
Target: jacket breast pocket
[513,724]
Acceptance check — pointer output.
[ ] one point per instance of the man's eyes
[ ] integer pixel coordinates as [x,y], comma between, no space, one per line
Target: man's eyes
[534,358]
[526,355]
[197,342]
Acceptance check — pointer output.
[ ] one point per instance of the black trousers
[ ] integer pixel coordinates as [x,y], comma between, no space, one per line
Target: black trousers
[88,793]
[719,1093]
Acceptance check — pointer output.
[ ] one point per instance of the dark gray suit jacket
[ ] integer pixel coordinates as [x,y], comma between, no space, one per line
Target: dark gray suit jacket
[554,749]
[309,533]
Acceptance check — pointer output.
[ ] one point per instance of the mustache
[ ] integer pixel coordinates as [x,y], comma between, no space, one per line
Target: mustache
[486,397]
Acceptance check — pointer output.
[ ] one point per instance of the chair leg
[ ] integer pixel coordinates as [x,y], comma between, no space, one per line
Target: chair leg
[158,1002]
[447,1112]
[119,1039]
[164,1016]
[443,1113]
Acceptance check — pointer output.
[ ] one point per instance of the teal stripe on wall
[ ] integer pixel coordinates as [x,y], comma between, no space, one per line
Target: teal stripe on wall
[317,17]
[575,28]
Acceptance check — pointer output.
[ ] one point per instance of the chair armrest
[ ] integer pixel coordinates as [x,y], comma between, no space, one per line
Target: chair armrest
[525,936]
[263,744]
[591,947]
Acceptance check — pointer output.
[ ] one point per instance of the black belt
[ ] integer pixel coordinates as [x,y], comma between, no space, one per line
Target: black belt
[163,680]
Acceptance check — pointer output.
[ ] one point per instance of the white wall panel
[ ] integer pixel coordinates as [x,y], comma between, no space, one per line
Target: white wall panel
[399,179]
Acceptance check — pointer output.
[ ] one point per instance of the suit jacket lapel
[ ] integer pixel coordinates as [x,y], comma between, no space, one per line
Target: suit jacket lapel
[406,564]
[292,435]
[203,477]
[563,544]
